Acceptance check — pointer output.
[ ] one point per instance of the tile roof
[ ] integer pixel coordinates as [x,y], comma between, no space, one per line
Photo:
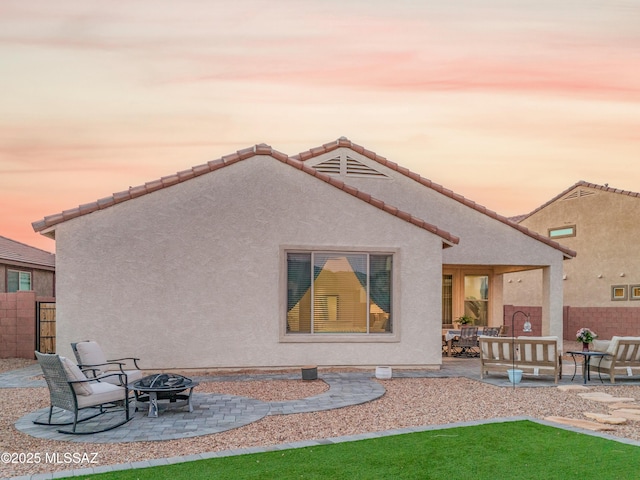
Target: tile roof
[344,142]
[50,221]
[20,254]
[581,183]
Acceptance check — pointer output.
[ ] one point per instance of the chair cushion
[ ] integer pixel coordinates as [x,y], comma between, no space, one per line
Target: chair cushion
[90,353]
[102,393]
[74,373]
[132,376]
[601,345]
[613,346]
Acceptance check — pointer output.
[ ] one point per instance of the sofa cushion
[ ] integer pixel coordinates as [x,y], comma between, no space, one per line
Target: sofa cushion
[74,373]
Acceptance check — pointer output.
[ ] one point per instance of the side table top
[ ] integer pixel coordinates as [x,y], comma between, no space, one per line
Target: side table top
[590,353]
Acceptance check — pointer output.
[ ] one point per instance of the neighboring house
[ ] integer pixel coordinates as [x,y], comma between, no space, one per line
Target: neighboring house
[335,256]
[27,308]
[26,268]
[602,284]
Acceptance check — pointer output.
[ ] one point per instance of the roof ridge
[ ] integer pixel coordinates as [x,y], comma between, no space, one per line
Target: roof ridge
[224,161]
[345,142]
[581,183]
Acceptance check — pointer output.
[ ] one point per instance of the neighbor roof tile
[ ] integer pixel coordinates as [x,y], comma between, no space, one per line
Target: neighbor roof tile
[20,254]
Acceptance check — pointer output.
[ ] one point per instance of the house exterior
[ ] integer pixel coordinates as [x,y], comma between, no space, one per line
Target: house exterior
[602,284]
[335,256]
[23,267]
[27,280]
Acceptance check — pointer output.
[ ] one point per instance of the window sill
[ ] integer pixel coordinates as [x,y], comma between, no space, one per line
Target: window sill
[340,338]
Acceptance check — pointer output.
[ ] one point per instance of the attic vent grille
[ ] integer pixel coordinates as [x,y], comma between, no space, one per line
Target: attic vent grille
[579,193]
[349,166]
[354,167]
[331,166]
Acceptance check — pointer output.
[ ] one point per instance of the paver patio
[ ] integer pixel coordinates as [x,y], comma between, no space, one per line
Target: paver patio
[214,413]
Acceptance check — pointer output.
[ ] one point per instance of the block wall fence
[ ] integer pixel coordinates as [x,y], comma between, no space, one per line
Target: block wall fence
[605,321]
[18,324]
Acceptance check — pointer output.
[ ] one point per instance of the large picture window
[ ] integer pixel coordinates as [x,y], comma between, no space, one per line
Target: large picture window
[330,292]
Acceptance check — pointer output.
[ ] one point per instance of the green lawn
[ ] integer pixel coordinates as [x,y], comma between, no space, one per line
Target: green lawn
[512,450]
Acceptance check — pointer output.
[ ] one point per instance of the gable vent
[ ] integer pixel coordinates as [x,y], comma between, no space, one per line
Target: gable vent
[354,167]
[331,166]
[579,193]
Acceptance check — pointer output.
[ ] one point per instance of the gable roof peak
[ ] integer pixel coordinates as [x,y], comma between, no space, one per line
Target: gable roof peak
[46,225]
[578,184]
[343,142]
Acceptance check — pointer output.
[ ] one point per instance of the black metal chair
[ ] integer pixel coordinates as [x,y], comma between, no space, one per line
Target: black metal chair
[491,331]
[467,343]
[72,391]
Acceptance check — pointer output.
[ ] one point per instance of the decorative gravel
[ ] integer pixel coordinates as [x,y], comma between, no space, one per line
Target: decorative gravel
[8,364]
[407,402]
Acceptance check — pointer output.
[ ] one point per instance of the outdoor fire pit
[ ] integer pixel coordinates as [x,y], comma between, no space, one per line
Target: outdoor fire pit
[163,391]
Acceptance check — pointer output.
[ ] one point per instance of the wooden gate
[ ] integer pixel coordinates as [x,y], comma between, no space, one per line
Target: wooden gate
[46,327]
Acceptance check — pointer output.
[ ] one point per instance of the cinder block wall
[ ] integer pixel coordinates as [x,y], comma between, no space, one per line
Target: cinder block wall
[605,321]
[18,324]
[518,322]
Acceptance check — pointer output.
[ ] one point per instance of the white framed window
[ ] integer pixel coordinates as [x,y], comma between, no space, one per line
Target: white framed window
[562,232]
[339,293]
[476,298]
[18,280]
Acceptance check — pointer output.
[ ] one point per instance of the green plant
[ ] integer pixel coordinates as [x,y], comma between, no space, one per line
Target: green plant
[465,320]
[585,335]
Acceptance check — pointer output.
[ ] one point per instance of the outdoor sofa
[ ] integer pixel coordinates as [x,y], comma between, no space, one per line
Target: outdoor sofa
[536,355]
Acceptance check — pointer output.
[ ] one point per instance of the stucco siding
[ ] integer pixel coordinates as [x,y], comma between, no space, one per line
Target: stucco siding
[606,236]
[191,276]
[484,240]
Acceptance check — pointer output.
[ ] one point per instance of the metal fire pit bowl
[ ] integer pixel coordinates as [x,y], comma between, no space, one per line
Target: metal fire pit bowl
[163,391]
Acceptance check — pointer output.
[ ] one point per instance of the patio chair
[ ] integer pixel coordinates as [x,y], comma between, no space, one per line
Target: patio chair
[504,331]
[72,391]
[467,342]
[92,359]
[445,344]
[491,331]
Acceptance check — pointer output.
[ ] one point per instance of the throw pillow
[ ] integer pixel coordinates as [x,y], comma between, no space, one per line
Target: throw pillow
[74,373]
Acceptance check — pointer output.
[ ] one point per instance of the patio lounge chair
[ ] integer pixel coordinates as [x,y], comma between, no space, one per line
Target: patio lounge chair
[72,391]
[92,359]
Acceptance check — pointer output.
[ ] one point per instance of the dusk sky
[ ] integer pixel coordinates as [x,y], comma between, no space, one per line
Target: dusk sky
[505,102]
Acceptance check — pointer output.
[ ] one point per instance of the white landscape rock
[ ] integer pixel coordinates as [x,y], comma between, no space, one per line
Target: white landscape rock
[573,388]
[586,424]
[605,418]
[628,413]
[605,397]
